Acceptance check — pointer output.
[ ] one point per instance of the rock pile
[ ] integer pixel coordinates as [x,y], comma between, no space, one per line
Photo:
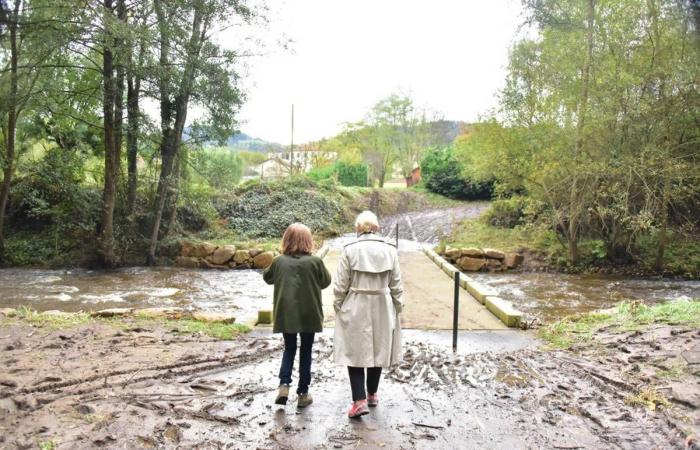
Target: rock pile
[472,259]
[205,255]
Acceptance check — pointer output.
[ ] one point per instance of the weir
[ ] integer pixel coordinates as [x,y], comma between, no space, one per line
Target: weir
[428,297]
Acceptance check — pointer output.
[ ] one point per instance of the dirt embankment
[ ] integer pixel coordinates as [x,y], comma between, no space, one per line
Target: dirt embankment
[130,386]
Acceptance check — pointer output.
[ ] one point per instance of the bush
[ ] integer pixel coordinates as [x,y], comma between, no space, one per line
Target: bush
[352,174]
[347,174]
[443,175]
[506,213]
[266,209]
[52,195]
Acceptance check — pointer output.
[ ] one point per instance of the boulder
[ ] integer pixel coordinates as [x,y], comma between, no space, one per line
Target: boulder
[452,254]
[494,265]
[204,249]
[156,313]
[242,257]
[513,260]
[213,317]
[254,252]
[263,260]
[112,312]
[492,253]
[189,262]
[472,252]
[222,255]
[205,264]
[187,248]
[469,264]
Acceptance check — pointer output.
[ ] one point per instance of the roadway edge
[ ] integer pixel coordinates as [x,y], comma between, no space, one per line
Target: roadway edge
[500,308]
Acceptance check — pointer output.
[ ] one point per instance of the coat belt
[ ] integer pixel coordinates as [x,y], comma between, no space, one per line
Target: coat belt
[369,291]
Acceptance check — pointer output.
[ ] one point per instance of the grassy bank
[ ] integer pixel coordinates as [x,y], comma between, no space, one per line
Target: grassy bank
[65,321]
[682,256]
[625,317]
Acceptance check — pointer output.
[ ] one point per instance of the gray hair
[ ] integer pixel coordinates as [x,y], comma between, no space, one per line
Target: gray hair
[366,222]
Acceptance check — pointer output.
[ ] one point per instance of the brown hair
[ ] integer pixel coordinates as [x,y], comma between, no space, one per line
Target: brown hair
[297,240]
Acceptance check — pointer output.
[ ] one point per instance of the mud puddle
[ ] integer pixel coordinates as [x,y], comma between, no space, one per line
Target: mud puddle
[130,387]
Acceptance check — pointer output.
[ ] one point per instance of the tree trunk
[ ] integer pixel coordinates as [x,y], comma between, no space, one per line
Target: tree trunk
[171,202]
[167,155]
[574,197]
[172,133]
[11,128]
[106,236]
[132,109]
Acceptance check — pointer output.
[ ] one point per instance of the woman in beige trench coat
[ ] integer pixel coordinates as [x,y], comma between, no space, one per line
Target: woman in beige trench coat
[368,300]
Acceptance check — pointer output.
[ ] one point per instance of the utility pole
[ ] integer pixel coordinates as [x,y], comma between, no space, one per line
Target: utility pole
[291,146]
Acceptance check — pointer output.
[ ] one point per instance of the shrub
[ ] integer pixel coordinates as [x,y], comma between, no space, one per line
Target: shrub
[347,174]
[443,175]
[52,195]
[506,213]
[266,209]
[352,174]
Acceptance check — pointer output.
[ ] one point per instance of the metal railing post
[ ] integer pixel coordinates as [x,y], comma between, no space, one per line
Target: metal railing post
[455,312]
[397,235]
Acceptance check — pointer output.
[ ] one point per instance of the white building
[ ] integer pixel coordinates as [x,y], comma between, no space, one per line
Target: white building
[305,160]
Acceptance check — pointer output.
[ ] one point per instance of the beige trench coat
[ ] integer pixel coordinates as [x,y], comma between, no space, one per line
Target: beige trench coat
[368,299]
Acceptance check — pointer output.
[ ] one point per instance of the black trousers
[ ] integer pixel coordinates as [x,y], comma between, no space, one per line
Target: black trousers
[357,381]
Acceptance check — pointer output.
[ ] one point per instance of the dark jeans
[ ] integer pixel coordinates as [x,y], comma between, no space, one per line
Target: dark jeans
[357,381]
[290,350]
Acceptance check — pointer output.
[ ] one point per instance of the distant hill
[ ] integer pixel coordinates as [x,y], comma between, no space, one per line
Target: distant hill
[445,131]
[242,141]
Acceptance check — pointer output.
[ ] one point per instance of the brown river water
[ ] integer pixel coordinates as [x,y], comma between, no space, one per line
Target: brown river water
[242,292]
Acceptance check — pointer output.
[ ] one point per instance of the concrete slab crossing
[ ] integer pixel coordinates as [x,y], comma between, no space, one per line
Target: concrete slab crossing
[428,295]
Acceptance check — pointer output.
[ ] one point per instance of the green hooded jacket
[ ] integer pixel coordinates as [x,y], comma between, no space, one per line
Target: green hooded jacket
[298,282]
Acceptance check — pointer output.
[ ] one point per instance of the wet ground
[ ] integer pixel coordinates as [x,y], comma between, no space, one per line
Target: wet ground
[136,386]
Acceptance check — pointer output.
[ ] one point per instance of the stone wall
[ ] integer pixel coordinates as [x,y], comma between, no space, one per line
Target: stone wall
[472,259]
[205,255]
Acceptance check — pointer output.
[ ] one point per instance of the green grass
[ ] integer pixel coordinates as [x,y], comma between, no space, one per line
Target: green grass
[220,331]
[47,445]
[71,320]
[50,321]
[626,316]
[477,233]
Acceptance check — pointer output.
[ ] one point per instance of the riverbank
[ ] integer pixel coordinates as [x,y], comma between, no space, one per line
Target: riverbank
[123,384]
[251,217]
[543,252]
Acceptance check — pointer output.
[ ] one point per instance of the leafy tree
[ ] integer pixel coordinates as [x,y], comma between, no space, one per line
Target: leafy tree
[598,119]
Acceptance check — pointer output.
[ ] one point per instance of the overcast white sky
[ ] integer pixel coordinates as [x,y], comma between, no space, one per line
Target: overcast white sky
[346,55]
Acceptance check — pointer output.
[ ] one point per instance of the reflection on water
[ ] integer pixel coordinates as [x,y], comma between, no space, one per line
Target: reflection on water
[241,292]
[552,295]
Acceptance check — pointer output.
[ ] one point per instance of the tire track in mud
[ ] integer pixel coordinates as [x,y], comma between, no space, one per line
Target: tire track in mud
[191,367]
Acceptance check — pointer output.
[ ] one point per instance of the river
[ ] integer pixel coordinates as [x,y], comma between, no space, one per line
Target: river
[242,292]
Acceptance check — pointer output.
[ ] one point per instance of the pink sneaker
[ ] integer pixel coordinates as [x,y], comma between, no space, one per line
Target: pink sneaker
[358,409]
[372,400]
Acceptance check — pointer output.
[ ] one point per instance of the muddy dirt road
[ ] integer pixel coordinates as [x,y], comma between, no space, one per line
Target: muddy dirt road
[103,385]
[430,226]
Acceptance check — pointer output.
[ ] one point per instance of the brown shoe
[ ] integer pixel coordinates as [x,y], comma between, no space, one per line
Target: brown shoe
[282,394]
[304,400]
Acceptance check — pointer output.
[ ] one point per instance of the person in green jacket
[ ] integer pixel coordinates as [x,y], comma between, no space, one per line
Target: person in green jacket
[298,277]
